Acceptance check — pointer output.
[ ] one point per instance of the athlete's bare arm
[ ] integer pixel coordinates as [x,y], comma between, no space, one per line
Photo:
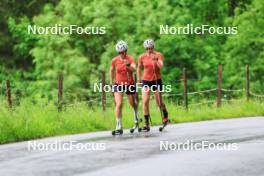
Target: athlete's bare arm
[158,62]
[130,66]
[112,74]
[139,71]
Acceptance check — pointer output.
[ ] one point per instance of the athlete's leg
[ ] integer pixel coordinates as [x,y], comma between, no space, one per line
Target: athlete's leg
[134,105]
[158,98]
[118,109]
[131,96]
[160,103]
[145,101]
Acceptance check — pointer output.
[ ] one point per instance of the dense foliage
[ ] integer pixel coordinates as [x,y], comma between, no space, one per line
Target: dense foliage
[33,62]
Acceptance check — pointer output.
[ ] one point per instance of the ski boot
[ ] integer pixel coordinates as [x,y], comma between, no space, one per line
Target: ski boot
[117,132]
[146,127]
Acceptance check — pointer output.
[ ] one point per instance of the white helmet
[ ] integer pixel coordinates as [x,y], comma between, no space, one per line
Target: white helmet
[149,43]
[121,46]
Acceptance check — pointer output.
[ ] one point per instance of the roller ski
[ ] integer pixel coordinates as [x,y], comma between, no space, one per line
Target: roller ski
[136,126]
[165,122]
[117,132]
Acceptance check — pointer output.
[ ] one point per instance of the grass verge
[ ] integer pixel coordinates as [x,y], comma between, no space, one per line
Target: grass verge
[30,121]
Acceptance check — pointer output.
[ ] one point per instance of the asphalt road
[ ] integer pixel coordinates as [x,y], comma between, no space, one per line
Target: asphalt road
[140,154]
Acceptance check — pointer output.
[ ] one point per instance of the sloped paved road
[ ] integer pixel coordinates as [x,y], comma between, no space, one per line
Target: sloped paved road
[139,154]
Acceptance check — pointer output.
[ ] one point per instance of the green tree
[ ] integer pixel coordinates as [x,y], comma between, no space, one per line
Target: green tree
[247,47]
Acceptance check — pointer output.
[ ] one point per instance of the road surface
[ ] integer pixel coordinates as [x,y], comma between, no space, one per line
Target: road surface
[140,154]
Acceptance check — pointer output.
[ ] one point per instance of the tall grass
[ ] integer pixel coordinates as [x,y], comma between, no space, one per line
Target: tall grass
[36,120]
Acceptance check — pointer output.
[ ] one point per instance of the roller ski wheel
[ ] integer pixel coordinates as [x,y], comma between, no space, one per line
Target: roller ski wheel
[117,132]
[132,130]
[165,123]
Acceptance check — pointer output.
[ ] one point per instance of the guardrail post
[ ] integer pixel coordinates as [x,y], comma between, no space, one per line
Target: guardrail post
[185,93]
[247,83]
[8,94]
[219,86]
[103,91]
[60,91]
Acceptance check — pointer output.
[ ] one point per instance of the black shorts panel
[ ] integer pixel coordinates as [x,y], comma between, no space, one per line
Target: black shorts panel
[128,89]
[153,85]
